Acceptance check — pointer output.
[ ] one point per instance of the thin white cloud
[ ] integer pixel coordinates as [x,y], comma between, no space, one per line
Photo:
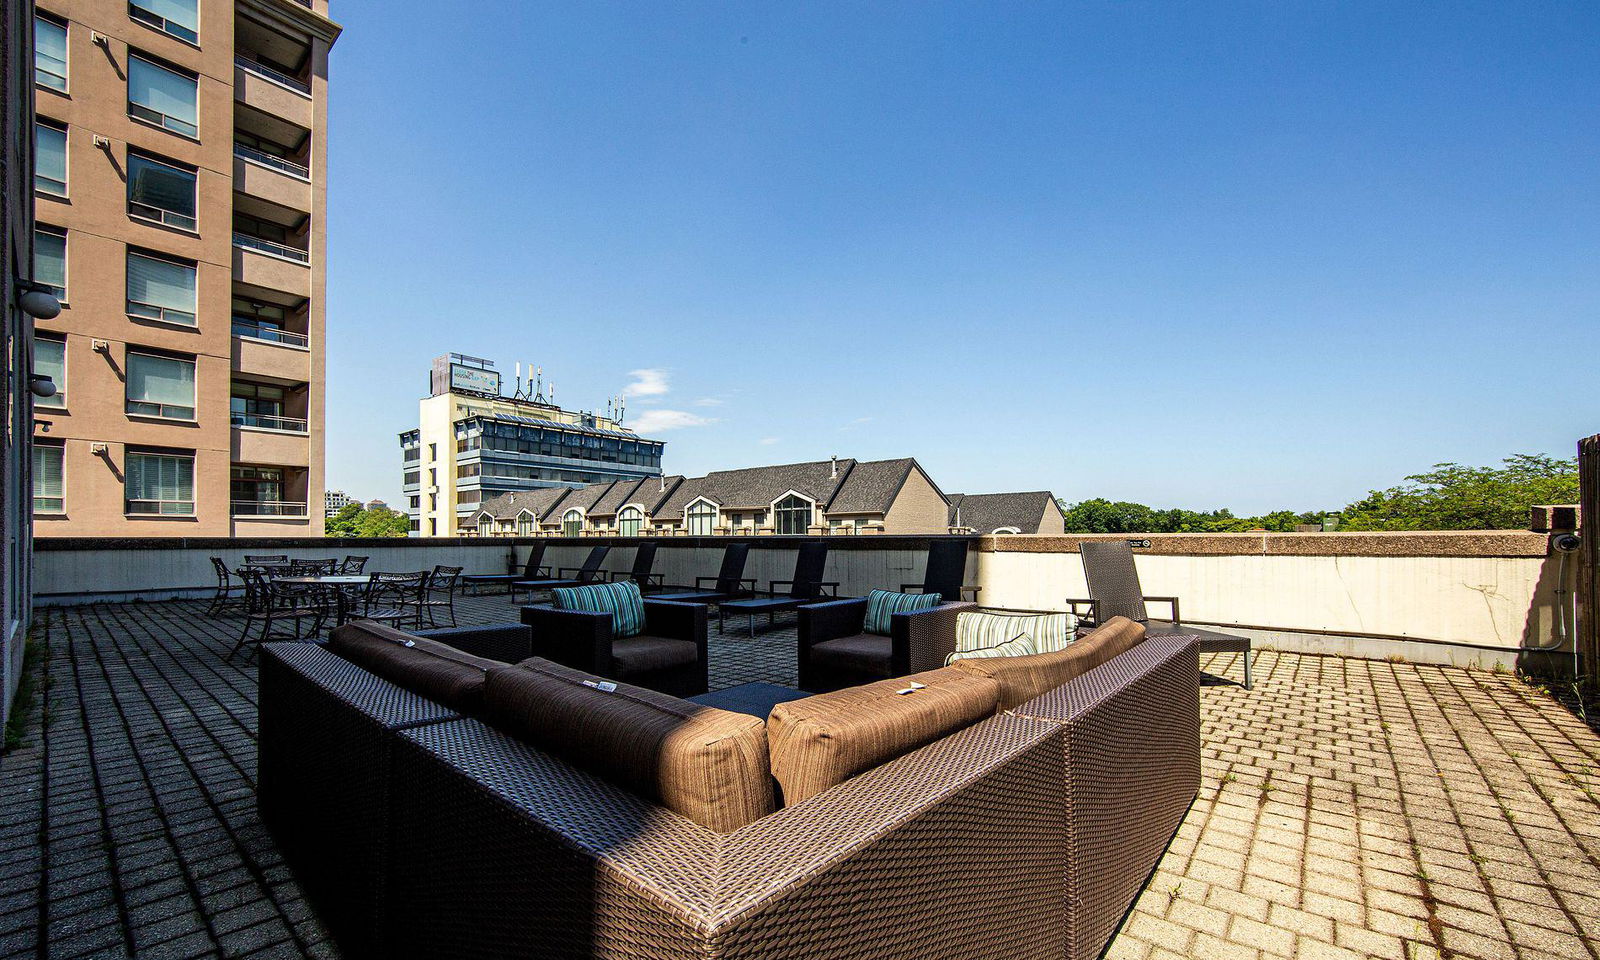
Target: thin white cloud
[767,441]
[649,382]
[708,402]
[657,420]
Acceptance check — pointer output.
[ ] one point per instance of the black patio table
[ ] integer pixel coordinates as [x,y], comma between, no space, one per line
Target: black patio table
[340,584]
[766,605]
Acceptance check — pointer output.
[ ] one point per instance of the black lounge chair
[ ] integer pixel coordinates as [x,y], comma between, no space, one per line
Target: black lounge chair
[946,570]
[806,587]
[728,584]
[1114,591]
[532,570]
[590,572]
[644,560]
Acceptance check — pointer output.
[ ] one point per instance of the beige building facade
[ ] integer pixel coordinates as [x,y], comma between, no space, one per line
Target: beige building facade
[180,199]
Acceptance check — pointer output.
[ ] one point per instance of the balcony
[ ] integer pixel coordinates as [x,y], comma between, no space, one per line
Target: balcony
[259,444]
[271,266]
[268,508]
[272,91]
[275,335]
[261,422]
[279,182]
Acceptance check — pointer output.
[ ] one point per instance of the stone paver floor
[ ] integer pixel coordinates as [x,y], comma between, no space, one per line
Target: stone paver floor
[1349,808]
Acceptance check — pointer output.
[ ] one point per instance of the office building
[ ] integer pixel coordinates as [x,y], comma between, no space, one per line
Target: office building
[335,500]
[180,193]
[474,443]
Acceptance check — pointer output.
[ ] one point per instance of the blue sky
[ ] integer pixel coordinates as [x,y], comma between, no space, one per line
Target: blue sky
[1254,255]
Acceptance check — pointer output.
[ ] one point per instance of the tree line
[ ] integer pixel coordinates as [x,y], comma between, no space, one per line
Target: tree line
[355,520]
[1448,497]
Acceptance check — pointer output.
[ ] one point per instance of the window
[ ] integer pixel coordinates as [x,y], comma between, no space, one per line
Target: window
[160,387]
[159,484]
[50,54]
[50,158]
[48,482]
[163,97]
[572,523]
[181,18]
[525,525]
[161,289]
[433,501]
[702,519]
[629,521]
[50,360]
[792,514]
[50,259]
[257,492]
[433,451]
[433,527]
[433,476]
[161,192]
[258,405]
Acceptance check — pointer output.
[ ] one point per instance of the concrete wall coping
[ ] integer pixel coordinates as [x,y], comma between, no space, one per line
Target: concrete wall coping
[1441,543]
[353,544]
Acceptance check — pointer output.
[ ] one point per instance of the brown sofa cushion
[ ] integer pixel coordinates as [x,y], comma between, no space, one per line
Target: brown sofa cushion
[707,764]
[865,653]
[1023,678]
[427,668]
[818,742]
[637,656]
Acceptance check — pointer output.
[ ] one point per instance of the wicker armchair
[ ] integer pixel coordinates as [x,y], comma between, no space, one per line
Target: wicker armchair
[835,653]
[669,656]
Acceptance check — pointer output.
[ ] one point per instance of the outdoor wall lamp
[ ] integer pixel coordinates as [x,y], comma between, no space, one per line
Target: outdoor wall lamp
[37,300]
[42,386]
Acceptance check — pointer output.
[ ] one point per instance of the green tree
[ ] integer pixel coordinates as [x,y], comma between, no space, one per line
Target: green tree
[354,520]
[1455,497]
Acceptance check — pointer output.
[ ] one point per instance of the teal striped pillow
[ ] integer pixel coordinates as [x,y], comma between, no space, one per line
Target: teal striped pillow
[621,600]
[884,604]
[1049,631]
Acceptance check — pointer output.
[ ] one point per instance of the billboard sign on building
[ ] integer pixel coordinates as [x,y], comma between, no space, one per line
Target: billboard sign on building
[474,379]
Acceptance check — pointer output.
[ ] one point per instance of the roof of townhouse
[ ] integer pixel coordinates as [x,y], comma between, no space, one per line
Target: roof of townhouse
[872,486]
[988,512]
[843,486]
[583,498]
[623,492]
[538,502]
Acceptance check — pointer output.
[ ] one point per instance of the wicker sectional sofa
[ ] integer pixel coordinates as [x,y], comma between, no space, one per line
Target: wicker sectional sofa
[463,809]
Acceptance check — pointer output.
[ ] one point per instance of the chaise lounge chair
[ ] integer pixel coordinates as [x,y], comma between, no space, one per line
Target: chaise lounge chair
[531,570]
[729,583]
[806,587]
[590,572]
[1114,591]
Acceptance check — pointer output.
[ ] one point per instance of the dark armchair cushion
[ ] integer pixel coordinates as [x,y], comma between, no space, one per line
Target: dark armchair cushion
[638,656]
[707,764]
[864,653]
[428,668]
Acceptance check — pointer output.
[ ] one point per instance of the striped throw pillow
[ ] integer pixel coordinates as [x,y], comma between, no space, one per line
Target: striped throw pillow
[1018,646]
[1049,631]
[884,604]
[621,600]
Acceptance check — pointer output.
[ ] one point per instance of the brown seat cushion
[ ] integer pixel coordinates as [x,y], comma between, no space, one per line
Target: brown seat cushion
[818,742]
[707,764]
[637,656]
[863,653]
[1023,678]
[427,668]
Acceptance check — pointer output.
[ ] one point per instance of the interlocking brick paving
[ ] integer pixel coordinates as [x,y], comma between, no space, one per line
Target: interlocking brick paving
[1349,808]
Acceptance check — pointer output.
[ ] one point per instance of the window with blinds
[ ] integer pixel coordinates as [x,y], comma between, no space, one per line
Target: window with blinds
[160,191]
[50,360]
[50,259]
[159,483]
[49,484]
[50,158]
[161,289]
[50,53]
[181,18]
[160,386]
[163,97]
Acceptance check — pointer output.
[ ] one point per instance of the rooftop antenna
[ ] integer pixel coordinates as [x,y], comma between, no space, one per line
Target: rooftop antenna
[539,393]
[517,393]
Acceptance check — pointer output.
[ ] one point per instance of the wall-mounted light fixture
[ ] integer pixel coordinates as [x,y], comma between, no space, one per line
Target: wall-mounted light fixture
[38,300]
[41,386]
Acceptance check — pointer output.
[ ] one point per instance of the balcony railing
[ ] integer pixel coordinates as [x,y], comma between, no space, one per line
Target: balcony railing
[265,422]
[268,160]
[270,248]
[252,331]
[262,70]
[268,508]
